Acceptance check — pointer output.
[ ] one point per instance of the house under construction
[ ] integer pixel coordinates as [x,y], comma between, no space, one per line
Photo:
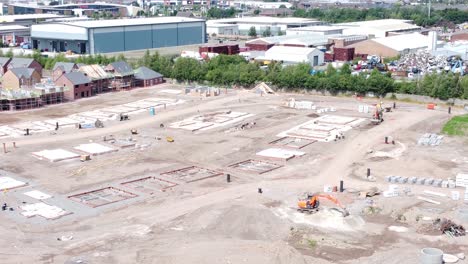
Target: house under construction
[23,99]
[99,77]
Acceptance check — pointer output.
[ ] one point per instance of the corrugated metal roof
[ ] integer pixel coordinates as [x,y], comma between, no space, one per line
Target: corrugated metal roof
[77,78]
[132,22]
[264,20]
[144,73]
[404,41]
[11,18]
[307,39]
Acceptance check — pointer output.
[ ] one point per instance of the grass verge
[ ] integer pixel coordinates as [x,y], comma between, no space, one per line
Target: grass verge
[457,126]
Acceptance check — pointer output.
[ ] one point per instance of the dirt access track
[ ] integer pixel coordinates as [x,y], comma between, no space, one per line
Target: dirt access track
[143,199]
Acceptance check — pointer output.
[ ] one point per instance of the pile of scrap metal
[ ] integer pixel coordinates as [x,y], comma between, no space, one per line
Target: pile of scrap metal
[373,62]
[449,228]
[424,62]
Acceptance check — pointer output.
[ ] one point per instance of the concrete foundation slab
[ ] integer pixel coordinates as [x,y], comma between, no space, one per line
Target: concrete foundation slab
[191,174]
[280,154]
[290,142]
[38,195]
[44,210]
[95,149]
[255,166]
[324,128]
[100,197]
[55,155]
[7,183]
[210,120]
[150,185]
[170,91]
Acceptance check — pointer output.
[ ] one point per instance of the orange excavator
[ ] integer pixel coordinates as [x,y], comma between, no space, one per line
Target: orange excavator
[312,202]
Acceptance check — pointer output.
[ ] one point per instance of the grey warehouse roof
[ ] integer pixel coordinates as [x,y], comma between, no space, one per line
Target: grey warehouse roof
[77,78]
[144,73]
[132,22]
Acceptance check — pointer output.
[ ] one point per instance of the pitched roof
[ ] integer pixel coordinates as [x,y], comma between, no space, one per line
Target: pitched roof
[22,72]
[144,73]
[122,68]
[4,60]
[77,78]
[20,62]
[66,66]
[95,72]
[404,41]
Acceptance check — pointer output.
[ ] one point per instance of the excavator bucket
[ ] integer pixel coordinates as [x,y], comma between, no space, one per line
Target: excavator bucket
[341,211]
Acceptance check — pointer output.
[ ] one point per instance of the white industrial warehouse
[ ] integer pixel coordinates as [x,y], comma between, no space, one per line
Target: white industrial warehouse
[117,35]
[379,28]
[293,55]
[275,24]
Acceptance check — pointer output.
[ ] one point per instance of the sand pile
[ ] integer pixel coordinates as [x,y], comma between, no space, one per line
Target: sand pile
[253,222]
[325,218]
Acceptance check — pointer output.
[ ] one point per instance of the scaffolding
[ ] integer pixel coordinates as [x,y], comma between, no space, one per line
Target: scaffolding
[24,99]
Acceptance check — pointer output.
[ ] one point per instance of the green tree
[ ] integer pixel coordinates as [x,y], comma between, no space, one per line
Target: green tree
[121,57]
[252,32]
[256,12]
[345,69]
[146,59]
[9,53]
[266,32]
[187,69]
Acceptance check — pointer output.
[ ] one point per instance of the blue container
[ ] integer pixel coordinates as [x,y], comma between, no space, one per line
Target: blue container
[152,112]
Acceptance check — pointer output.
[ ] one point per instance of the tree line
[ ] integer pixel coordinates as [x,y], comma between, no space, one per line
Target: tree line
[234,70]
[419,14]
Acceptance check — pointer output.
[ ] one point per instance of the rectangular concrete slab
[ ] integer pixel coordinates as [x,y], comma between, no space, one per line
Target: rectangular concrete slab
[7,183]
[55,155]
[38,195]
[95,149]
[280,154]
[43,210]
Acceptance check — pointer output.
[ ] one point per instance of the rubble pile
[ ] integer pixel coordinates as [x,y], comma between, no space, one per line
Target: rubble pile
[430,139]
[449,228]
[423,62]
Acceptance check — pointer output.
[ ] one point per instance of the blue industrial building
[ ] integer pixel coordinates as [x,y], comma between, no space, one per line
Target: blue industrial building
[118,35]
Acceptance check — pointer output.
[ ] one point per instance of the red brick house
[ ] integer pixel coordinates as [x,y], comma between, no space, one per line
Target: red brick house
[4,65]
[145,77]
[61,68]
[25,63]
[17,78]
[122,75]
[77,85]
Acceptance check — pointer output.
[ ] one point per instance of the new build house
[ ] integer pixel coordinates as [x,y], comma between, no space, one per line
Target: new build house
[78,85]
[17,78]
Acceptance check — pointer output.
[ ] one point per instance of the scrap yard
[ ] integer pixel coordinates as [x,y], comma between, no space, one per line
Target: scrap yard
[159,175]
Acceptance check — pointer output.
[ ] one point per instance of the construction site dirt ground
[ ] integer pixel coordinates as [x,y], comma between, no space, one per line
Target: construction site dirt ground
[179,207]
